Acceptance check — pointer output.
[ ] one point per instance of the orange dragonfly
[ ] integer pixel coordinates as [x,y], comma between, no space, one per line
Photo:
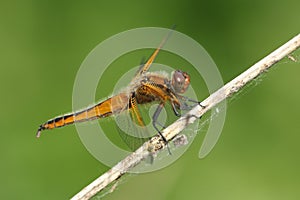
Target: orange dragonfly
[145,87]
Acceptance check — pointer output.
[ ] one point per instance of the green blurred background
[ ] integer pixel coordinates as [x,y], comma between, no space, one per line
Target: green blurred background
[42,46]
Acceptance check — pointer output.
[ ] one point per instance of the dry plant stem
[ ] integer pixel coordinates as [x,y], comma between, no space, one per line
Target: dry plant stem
[156,143]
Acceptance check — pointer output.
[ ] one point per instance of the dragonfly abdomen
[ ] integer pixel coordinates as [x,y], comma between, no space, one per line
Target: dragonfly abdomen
[106,108]
[58,122]
[81,116]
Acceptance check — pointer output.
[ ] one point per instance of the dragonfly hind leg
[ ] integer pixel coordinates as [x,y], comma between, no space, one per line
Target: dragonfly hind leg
[155,122]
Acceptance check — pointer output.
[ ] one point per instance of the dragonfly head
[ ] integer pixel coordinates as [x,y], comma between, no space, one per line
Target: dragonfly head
[180,81]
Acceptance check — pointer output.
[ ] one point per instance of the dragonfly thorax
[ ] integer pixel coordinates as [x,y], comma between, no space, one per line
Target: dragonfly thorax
[180,81]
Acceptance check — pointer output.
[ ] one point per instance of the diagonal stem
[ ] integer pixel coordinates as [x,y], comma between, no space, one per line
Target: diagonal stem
[156,143]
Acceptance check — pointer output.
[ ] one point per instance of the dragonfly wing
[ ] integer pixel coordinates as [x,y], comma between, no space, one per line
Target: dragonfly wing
[145,67]
[131,126]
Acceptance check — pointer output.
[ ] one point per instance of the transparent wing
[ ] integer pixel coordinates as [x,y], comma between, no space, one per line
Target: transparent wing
[131,126]
[145,67]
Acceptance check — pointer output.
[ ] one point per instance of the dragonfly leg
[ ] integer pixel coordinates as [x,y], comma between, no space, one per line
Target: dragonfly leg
[154,122]
[155,117]
[161,135]
[196,102]
[175,110]
[185,99]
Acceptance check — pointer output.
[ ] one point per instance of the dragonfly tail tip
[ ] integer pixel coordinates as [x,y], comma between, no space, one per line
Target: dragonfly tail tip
[38,134]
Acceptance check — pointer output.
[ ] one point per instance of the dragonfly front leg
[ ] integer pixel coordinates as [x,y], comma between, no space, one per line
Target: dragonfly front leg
[185,106]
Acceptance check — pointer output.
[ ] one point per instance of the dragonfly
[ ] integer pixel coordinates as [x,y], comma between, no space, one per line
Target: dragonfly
[145,87]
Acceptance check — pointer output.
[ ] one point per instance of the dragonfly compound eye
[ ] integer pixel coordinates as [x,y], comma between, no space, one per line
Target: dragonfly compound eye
[180,81]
